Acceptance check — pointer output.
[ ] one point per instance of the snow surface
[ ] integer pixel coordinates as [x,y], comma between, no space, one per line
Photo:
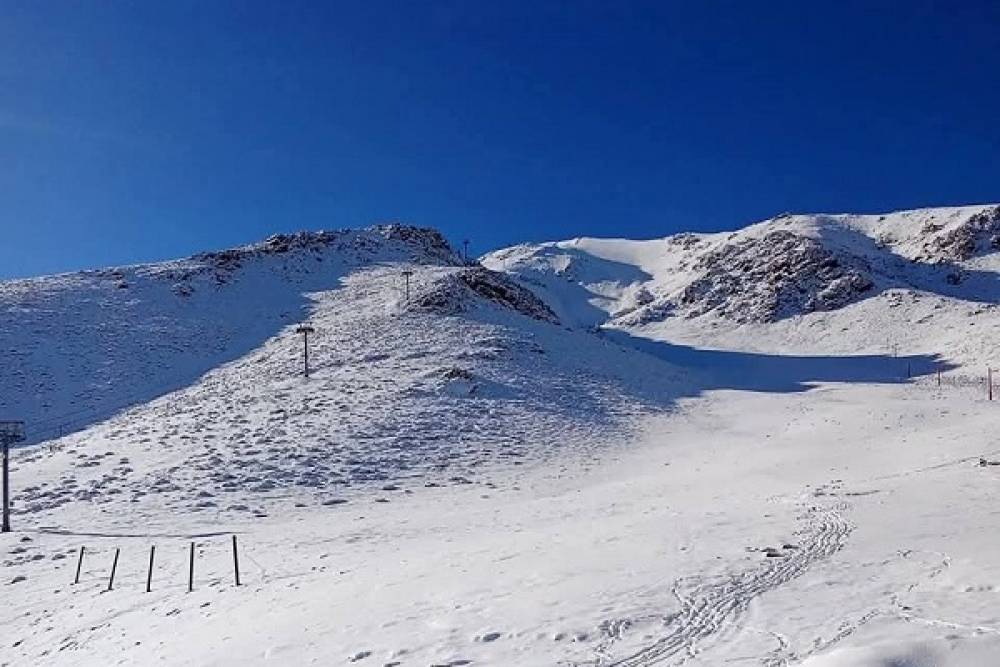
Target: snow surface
[469,477]
[773,272]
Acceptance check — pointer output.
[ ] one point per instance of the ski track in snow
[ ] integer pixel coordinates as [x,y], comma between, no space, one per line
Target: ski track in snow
[712,606]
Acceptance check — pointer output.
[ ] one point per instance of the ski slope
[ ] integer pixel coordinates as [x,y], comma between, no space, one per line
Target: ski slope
[558,459]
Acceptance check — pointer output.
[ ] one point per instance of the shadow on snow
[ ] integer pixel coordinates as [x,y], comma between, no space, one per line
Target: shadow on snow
[750,371]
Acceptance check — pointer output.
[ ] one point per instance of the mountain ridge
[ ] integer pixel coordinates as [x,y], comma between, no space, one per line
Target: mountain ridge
[773,287]
[520,401]
[779,268]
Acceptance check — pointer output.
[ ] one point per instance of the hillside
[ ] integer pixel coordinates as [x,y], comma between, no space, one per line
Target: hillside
[701,450]
[189,374]
[911,280]
[84,345]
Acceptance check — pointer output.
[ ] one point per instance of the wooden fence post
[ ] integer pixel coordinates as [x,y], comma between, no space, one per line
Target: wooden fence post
[236,562]
[114,566]
[191,571]
[79,564]
[149,576]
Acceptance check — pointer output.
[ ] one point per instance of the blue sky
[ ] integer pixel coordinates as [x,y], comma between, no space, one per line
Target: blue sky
[136,131]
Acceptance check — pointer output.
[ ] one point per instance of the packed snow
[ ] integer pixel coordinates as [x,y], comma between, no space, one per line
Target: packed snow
[771,447]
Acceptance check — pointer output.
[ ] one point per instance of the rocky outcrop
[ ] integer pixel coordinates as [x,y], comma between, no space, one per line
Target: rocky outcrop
[346,248]
[977,235]
[774,276]
[457,291]
[403,242]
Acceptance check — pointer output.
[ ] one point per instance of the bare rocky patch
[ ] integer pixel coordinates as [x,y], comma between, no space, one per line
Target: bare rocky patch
[772,277]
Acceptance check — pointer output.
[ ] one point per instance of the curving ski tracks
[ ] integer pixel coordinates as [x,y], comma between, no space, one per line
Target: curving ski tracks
[709,607]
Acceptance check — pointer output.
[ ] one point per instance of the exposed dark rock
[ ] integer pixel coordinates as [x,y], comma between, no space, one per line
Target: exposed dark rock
[456,374]
[977,235]
[424,244]
[457,291]
[655,311]
[772,277]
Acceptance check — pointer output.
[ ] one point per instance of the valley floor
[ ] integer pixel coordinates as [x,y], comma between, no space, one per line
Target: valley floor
[846,525]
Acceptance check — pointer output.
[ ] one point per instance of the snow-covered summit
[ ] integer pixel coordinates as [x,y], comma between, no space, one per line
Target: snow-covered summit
[780,268]
[385,242]
[81,346]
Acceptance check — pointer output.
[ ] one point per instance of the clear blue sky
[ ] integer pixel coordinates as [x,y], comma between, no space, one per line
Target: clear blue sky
[135,131]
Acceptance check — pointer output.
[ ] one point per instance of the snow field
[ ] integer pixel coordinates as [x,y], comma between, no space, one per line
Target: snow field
[462,482]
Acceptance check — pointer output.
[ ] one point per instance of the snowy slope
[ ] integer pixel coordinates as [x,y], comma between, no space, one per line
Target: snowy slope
[698,450]
[806,284]
[81,346]
[181,382]
[655,554]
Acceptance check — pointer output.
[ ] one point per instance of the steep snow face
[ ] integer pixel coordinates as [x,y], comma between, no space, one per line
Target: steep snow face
[782,268]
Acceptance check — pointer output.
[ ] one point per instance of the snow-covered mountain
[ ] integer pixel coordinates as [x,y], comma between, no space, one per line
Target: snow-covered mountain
[903,279]
[80,346]
[190,372]
[704,449]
